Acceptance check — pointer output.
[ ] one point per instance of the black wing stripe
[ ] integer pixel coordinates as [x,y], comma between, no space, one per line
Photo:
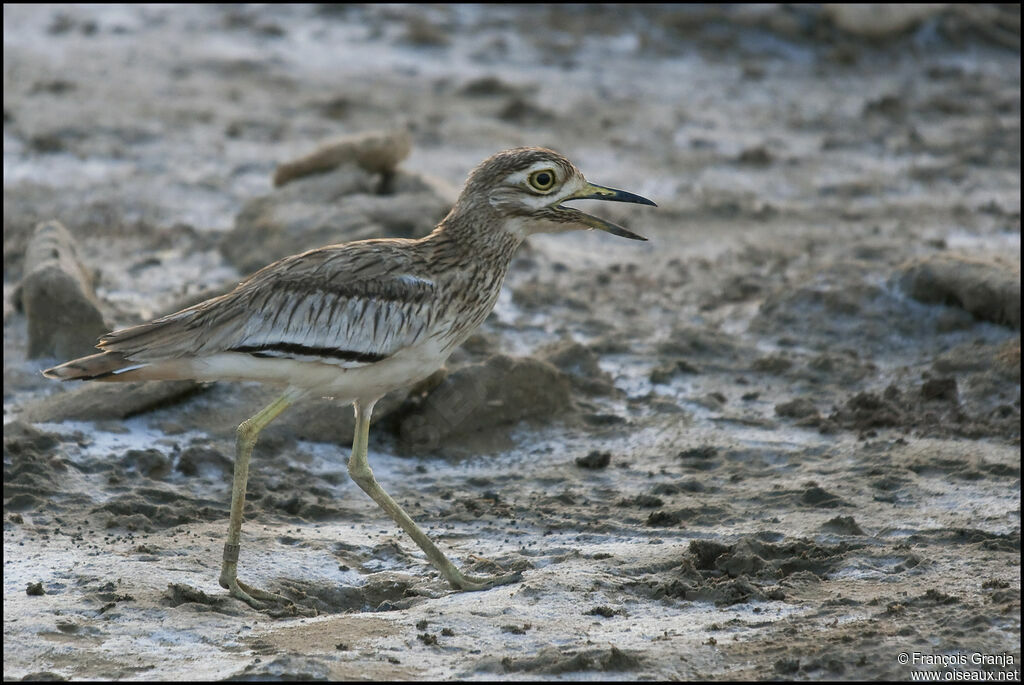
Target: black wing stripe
[284,349]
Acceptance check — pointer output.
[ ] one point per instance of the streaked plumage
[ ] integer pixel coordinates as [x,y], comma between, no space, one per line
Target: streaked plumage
[357,320]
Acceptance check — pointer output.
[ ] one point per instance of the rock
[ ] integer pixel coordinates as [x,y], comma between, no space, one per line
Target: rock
[663,373]
[594,460]
[375,152]
[150,462]
[880,20]
[401,182]
[339,206]
[816,496]
[580,364]
[706,552]
[842,525]
[773,364]
[799,408]
[942,389]
[325,420]
[489,86]
[204,460]
[519,110]
[699,342]
[64,320]
[866,410]
[989,290]
[549,660]
[664,518]
[32,467]
[314,419]
[421,32]
[477,348]
[99,401]
[20,436]
[286,667]
[759,155]
[481,397]
[538,296]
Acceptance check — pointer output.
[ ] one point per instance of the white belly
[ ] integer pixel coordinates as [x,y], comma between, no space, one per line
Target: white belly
[365,382]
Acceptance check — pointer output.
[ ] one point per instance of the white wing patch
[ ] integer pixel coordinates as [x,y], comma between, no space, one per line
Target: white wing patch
[345,329]
[409,279]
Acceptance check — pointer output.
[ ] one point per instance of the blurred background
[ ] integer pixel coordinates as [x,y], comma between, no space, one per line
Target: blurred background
[790,420]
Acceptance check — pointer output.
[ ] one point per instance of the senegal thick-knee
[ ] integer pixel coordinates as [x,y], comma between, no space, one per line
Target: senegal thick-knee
[357,320]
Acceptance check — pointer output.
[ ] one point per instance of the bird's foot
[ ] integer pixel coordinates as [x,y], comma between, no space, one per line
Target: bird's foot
[261,600]
[464,583]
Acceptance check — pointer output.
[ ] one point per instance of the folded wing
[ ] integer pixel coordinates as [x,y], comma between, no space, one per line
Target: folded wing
[335,305]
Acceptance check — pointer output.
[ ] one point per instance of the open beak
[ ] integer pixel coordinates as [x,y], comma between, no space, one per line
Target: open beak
[596,192]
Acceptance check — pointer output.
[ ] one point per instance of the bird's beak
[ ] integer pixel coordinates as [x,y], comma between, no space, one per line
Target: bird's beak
[592,191]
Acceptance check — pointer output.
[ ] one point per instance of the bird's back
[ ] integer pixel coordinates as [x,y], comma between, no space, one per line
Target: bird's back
[341,307]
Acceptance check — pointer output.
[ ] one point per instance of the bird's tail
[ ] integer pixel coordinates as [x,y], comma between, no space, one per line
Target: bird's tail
[104,366]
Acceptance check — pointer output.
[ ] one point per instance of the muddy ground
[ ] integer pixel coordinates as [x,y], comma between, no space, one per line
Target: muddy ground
[779,440]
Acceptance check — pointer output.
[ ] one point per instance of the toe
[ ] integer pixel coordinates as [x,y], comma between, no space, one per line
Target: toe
[261,600]
[473,583]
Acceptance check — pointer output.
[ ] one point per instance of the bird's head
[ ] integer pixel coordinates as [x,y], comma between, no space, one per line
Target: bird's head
[526,187]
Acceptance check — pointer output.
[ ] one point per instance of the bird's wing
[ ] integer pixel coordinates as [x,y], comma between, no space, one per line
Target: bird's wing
[348,305]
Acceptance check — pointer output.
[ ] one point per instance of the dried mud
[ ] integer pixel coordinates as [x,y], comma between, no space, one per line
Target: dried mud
[781,440]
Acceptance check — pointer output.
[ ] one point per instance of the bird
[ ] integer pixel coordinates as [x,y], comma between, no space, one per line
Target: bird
[356,320]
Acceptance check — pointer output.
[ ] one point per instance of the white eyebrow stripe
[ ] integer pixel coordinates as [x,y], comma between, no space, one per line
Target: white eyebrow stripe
[521,176]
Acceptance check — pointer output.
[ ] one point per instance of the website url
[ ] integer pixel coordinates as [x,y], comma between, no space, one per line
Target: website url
[964,676]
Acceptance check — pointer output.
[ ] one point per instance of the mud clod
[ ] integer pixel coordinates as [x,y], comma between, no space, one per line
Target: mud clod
[842,525]
[990,290]
[500,391]
[64,320]
[96,402]
[939,389]
[799,408]
[375,152]
[594,460]
[553,661]
[664,518]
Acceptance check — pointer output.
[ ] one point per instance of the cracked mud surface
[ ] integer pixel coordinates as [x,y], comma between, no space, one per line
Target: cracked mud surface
[780,440]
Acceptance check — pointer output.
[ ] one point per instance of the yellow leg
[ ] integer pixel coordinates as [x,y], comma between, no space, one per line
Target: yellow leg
[247,434]
[359,469]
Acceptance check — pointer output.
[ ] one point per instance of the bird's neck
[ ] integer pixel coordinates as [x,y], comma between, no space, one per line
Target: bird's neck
[480,235]
[469,255]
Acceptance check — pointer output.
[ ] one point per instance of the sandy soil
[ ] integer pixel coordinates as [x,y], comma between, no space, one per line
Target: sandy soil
[779,440]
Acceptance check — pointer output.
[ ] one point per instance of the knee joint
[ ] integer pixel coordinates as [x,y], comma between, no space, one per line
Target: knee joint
[246,432]
[360,473]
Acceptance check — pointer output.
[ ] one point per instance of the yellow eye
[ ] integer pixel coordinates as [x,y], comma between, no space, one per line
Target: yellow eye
[542,180]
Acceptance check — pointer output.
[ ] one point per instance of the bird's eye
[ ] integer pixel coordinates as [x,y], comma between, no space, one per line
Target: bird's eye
[543,179]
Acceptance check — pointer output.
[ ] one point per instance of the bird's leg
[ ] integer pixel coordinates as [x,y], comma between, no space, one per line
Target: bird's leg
[359,469]
[247,434]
